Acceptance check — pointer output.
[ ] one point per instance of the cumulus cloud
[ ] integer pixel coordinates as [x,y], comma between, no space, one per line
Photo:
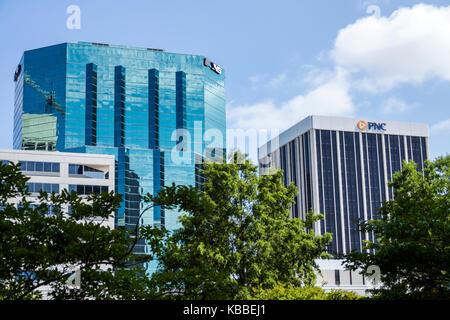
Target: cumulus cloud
[441,127]
[263,80]
[374,54]
[329,98]
[255,79]
[393,105]
[410,46]
[277,81]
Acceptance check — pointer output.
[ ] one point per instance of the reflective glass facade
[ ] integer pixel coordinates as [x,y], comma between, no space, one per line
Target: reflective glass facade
[148,108]
[343,174]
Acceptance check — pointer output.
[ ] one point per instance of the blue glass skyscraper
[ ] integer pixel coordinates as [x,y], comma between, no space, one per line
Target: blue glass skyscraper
[160,114]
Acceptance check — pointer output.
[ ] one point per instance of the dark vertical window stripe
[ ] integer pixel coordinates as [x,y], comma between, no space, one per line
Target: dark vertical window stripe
[181,100]
[344,189]
[91,105]
[328,208]
[416,152]
[408,143]
[352,190]
[294,175]
[359,194]
[336,193]
[283,163]
[388,162]
[119,106]
[424,149]
[402,149]
[308,171]
[320,206]
[153,109]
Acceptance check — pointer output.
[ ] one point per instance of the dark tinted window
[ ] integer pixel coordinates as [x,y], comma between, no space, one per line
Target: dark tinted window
[30,166]
[36,187]
[55,167]
[39,166]
[47,167]
[86,189]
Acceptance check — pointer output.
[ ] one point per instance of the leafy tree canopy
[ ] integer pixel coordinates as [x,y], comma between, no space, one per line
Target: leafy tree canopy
[286,292]
[413,235]
[236,234]
[41,248]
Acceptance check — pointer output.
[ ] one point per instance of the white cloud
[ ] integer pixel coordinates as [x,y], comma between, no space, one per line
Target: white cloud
[329,98]
[441,127]
[393,105]
[410,46]
[277,81]
[374,54]
[263,80]
[315,76]
[254,79]
[257,120]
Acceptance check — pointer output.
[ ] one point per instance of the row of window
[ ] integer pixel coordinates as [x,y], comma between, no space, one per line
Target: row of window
[50,208]
[36,187]
[79,169]
[37,166]
[86,189]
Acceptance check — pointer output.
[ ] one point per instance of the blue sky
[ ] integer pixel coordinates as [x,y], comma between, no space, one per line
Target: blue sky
[285,59]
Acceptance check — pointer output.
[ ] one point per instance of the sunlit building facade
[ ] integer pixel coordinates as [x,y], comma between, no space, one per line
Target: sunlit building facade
[160,114]
[52,172]
[341,167]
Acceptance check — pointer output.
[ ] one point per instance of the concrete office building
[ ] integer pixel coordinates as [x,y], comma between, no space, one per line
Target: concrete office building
[335,276]
[341,167]
[55,171]
[152,110]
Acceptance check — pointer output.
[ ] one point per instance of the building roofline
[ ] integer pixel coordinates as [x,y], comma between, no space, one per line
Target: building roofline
[44,47]
[107,45]
[58,153]
[340,124]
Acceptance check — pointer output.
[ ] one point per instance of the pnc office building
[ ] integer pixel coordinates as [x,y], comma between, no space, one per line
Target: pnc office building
[341,167]
[128,102]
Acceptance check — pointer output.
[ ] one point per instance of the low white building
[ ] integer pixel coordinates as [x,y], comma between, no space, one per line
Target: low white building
[53,171]
[335,276]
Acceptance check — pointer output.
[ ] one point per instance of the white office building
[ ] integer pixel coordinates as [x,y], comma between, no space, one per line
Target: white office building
[341,167]
[333,275]
[55,171]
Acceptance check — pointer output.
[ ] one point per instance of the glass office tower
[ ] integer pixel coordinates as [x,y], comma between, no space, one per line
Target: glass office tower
[160,114]
[341,168]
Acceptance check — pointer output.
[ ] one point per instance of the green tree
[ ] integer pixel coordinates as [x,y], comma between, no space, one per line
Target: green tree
[237,234]
[38,248]
[413,233]
[287,292]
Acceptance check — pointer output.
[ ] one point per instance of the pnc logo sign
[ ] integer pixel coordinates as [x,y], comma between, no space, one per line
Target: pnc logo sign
[373,126]
[362,125]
